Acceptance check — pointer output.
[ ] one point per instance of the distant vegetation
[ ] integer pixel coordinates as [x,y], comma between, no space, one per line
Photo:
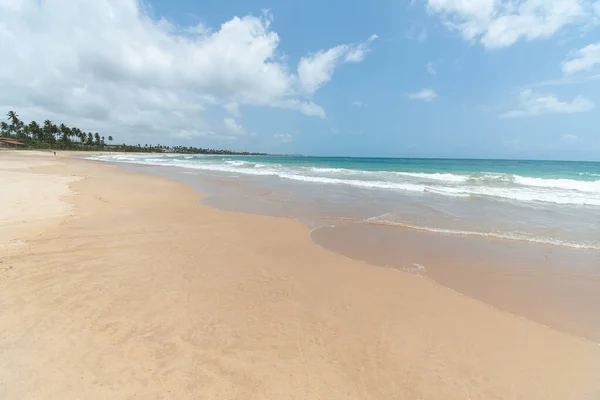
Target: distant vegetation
[61,137]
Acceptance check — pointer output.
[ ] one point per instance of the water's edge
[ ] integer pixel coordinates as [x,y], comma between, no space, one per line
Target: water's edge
[536,281]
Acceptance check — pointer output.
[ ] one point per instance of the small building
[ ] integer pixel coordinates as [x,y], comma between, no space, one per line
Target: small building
[9,143]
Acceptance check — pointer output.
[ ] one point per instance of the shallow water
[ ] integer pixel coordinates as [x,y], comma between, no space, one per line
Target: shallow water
[553,202]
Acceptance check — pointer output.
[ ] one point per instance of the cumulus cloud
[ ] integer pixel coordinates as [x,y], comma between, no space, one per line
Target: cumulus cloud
[106,65]
[424,95]
[283,137]
[532,104]
[584,59]
[501,23]
[317,69]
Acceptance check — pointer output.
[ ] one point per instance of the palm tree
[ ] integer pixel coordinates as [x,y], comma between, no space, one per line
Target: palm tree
[35,131]
[97,138]
[66,132]
[90,139]
[79,135]
[13,118]
[55,133]
[49,129]
[110,139]
[20,131]
[4,129]
[15,123]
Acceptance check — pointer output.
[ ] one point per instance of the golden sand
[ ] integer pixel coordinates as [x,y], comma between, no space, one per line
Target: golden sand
[128,288]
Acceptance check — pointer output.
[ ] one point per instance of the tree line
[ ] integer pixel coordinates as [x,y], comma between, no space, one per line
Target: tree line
[50,136]
[62,137]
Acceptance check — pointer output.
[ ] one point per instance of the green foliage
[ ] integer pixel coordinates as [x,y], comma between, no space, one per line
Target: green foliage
[4,129]
[62,137]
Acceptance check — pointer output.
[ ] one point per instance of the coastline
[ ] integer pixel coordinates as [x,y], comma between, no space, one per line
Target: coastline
[140,291]
[554,285]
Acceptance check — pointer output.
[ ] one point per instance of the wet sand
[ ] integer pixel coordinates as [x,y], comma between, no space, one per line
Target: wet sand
[552,285]
[132,289]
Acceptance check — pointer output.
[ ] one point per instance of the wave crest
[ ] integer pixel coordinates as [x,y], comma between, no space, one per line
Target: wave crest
[499,186]
[387,220]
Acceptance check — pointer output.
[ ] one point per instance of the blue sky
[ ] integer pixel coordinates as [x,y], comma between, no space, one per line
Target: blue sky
[421,78]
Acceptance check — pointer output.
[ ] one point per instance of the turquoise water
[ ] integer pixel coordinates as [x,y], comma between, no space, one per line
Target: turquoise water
[586,171]
[549,202]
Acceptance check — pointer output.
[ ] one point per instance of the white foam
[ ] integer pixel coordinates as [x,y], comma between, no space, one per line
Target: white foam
[381,220]
[333,170]
[416,269]
[567,184]
[236,163]
[435,176]
[488,184]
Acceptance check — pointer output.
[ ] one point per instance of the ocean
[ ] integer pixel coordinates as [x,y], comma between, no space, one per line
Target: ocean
[555,203]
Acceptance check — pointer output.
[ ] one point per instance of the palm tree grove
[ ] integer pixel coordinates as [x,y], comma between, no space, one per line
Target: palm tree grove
[62,137]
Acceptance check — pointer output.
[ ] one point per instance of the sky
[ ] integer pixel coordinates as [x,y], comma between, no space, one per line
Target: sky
[389,78]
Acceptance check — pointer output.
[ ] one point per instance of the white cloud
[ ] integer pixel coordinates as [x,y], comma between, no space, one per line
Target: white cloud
[233,108]
[583,59]
[233,127]
[501,23]
[305,107]
[357,53]
[568,136]
[424,94]
[430,68]
[358,103]
[567,79]
[105,65]
[283,137]
[532,104]
[317,69]
[582,65]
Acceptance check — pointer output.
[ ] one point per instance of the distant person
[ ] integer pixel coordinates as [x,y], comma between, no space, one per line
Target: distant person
[54,153]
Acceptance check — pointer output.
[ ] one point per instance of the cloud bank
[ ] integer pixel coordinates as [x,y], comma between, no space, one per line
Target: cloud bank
[106,65]
[533,104]
[501,23]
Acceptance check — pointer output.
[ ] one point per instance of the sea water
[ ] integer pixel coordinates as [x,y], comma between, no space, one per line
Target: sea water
[555,203]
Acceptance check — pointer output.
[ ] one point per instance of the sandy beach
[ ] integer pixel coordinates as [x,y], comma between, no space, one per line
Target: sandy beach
[119,285]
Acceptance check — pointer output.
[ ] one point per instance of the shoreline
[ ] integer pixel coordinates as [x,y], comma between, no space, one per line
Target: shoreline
[556,286]
[147,293]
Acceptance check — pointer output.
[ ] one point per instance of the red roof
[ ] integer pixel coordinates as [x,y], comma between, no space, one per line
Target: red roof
[9,141]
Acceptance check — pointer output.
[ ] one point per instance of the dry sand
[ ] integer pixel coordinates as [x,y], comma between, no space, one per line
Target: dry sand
[28,200]
[128,288]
